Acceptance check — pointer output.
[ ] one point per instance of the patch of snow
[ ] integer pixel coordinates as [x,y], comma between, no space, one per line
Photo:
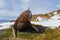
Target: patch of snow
[55,17]
[55,12]
[50,24]
[53,22]
[6,25]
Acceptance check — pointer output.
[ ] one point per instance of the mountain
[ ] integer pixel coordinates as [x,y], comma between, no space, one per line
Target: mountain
[50,14]
[53,22]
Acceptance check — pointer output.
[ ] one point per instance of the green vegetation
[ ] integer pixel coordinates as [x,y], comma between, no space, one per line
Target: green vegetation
[6,34]
[50,34]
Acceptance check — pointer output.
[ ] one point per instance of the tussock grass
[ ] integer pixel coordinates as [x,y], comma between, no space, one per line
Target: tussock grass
[50,34]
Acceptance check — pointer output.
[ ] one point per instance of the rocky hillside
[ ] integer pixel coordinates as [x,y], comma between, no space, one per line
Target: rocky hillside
[50,14]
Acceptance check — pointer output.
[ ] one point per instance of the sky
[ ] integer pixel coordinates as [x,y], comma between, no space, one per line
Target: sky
[16,7]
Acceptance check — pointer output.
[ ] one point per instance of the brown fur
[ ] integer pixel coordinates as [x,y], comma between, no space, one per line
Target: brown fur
[23,18]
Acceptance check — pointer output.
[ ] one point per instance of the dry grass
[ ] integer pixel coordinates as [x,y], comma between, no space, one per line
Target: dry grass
[50,34]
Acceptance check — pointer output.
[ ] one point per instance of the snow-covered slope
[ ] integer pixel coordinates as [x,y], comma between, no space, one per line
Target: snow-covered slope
[51,23]
[6,25]
[55,16]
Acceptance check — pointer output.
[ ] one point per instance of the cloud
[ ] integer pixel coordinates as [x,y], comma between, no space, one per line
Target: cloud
[15,7]
[25,4]
[25,1]
[40,11]
[7,7]
[58,6]
[1,4]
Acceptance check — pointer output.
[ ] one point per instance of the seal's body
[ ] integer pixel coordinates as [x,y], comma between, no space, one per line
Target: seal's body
[23,21]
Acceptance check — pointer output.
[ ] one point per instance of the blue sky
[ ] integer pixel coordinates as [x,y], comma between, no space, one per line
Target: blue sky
[16,7]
